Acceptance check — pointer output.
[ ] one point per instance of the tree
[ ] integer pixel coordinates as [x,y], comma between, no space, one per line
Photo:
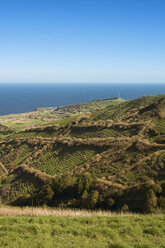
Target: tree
[93,198]
[161,202]
[46,194]
[110,202]
[80,186]
[84,195]
[150,201]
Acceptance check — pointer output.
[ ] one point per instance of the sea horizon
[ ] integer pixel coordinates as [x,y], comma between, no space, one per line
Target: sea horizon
[26,97]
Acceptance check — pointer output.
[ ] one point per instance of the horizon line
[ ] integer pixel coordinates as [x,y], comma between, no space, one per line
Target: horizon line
[37,82]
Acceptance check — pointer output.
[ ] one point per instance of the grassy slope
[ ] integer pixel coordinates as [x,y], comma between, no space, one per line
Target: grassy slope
[85,232]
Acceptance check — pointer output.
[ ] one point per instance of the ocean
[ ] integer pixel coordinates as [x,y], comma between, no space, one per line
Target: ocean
[20,98]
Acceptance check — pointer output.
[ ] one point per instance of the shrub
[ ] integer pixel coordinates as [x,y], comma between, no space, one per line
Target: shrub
[125,208]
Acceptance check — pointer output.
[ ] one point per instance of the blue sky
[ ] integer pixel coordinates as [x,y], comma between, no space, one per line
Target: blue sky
[82,41]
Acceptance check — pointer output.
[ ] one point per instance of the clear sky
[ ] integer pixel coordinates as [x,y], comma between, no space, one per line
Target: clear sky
[82,41]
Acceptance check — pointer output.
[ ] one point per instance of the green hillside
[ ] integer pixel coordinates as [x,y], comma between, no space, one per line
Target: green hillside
[106,154]
[53,115]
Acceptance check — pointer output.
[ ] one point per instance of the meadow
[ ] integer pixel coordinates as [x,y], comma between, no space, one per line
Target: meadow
[44,228]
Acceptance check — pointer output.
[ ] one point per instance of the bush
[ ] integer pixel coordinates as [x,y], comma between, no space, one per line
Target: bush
[125,208]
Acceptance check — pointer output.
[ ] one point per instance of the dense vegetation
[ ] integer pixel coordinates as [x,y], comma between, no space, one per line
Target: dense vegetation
[106,154]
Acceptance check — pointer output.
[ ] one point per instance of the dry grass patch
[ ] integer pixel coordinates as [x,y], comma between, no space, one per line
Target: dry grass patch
[45,211]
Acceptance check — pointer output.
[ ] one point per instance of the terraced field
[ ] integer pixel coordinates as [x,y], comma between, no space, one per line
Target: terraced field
[63,159]
[118,111]
[103,132]
[12,156]
[110,158]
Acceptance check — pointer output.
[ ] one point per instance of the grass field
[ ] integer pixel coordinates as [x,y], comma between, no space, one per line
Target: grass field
[74,229]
